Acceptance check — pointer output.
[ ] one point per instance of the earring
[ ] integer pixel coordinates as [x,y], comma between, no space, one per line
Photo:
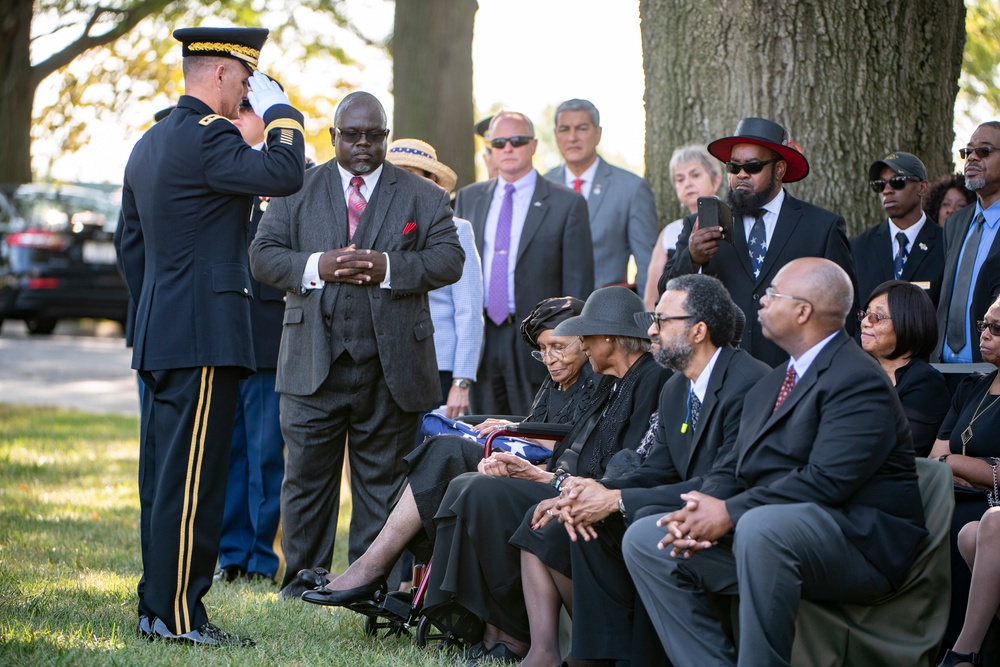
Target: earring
[607,340]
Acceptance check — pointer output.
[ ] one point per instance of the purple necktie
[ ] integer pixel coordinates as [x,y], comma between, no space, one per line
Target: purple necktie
[496,307]
[355,205]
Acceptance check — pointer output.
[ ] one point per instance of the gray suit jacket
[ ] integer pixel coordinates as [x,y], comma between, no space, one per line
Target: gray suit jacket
[622,223]
[412,223]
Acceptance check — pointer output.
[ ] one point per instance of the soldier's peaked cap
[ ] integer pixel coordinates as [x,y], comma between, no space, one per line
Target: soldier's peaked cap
[243,44]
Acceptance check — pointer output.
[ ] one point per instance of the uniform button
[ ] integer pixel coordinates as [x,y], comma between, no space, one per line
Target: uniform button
[756,297]
[246,291]
[348,296]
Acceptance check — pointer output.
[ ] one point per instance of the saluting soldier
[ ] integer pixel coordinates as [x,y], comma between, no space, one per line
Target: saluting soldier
[185,209]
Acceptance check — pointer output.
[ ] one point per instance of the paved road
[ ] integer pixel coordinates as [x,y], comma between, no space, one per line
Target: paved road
[83,365]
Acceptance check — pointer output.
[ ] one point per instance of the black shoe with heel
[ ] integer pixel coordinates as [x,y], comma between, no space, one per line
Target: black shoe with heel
[951,659]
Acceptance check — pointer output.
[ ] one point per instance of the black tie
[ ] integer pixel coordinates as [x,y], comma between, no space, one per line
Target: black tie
[695,409]
[900,260]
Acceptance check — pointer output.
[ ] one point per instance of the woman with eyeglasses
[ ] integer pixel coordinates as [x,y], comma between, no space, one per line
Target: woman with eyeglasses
[969,444]
[899,329]
[568,392]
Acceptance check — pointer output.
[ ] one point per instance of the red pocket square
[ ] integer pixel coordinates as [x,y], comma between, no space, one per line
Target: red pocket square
[409,227]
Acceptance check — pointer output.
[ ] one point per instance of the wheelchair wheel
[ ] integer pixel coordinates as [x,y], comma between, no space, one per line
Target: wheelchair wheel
[452,626]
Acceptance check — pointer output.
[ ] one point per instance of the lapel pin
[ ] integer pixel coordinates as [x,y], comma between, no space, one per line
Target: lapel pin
[923,246]
[596,189]
[537,203]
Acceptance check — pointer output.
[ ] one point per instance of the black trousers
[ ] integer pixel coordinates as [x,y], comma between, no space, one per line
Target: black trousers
[187,430]
[508,378]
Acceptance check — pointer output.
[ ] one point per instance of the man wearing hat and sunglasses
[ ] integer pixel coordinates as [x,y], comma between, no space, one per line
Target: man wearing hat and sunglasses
[906,246]
[770,227]
[185,207]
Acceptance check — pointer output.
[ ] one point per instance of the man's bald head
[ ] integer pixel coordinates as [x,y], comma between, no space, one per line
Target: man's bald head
[368,100]
[826,286]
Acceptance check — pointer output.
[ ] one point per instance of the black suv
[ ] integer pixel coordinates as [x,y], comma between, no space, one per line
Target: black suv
[57,256]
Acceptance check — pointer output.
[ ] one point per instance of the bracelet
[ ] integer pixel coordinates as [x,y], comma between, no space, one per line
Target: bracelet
[993,497]
[562,478]
[554,480]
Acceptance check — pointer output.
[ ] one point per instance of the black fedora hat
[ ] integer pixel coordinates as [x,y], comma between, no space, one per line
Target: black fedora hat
[769,134]
[609,311]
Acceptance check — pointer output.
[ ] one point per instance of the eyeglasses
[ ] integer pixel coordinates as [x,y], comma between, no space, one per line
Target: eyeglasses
[750,168]
[771,294]
[983,325]
[982,152]
[869,314]
[553,353]
[896,183]
[374,136]
[657,321]
[516,142]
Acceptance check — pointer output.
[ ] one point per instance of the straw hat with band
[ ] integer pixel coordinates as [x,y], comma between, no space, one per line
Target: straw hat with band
[763,132]
[421,155]
[609,311]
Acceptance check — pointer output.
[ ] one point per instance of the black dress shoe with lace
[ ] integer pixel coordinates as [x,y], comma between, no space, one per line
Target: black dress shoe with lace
[229,573]
[325,596]
[314,577]
[206,635]
[951,659]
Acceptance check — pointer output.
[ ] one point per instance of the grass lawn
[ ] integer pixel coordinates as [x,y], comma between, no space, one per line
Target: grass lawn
[69,563]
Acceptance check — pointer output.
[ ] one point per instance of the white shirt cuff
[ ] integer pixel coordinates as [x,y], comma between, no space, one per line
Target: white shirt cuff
[310,277]
[386,284]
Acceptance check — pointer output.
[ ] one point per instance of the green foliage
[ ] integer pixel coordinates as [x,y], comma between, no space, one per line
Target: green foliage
[980,80]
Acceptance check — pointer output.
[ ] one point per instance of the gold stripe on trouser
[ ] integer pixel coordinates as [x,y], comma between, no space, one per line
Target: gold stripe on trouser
[192,481]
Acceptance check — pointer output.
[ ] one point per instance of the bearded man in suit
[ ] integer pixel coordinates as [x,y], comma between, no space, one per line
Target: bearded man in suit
[357,250]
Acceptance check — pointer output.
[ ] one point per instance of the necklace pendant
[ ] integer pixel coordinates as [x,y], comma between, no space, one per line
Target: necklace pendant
[966,436]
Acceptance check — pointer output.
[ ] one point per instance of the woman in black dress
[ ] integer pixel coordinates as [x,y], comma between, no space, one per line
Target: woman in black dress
[899,328]
[570,389]
[969,438]
[474,565]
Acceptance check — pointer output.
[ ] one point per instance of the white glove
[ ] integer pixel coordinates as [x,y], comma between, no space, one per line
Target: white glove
[264,93]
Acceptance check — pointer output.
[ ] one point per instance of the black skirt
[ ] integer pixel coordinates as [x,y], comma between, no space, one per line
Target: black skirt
[550,543]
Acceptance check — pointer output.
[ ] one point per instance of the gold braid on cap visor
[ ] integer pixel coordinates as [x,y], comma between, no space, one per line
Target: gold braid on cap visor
[236,50]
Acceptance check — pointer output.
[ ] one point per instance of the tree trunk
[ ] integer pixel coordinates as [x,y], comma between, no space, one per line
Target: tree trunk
[432,79]
[851,80]
[17,92]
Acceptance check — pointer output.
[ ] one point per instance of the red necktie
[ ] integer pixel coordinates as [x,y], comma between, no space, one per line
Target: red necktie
[578,185]
[786,388]
[355,205]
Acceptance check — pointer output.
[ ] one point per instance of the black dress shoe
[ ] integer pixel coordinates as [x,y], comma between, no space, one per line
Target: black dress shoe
[498,655]
[206,635]
[951,658]
[325,596]
[229,573]
[314,577]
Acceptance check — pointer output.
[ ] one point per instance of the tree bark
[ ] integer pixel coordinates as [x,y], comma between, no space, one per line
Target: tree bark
[851,80]
[432,79]
[16,92]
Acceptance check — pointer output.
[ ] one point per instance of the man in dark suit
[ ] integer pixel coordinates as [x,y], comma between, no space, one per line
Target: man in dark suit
[185,206]
[972,245]
[534,238]
[770,227]
[908,246]
[357,250]
[818,498]
[700,408]
[621,205]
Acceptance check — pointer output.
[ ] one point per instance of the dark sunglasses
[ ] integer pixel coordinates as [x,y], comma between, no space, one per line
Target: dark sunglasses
[982,152]
[983,325]
[896,183]
[516,142]
[750,168]
[374,136]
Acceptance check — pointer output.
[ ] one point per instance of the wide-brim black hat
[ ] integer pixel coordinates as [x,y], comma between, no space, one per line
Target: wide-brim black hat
[609,311]
[243,44]
[763,132]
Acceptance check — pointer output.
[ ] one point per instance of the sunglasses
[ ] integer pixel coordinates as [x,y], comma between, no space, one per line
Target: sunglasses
[516,142]
[982,152]
[750,168]
[983,325]
[374,136]
[896,183]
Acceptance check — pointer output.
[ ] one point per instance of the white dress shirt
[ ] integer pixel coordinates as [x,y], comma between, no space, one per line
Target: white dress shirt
[587,177]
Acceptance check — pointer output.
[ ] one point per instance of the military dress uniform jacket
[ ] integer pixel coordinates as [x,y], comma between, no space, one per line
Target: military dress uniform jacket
[186,210]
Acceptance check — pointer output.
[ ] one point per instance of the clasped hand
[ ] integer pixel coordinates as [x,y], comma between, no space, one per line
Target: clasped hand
[696,526]
[505,464]
[583,504]
[352,266]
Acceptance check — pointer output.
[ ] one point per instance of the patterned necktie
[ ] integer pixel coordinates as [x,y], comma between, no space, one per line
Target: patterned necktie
[758,243]
[497,308]
[695,408]
[578,185]
[901,256]
[355,205]
[958,311]
[786,388]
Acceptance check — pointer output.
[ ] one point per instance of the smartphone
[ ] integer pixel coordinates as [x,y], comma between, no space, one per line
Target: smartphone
[713,212]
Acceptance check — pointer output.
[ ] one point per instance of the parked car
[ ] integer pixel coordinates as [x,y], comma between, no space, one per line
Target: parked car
[57,256]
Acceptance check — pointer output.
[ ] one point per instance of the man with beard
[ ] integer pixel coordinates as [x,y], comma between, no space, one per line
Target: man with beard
[972,268]
[357,250]
[770,227]
[700,409]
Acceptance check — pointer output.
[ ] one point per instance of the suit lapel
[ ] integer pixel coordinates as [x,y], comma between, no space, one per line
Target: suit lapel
[480,209]
[599,188]
[925,242]
[536,213]
[883,253]
[740,245]
[788,219]
[381,199]
[334,235]
[961,223]
[708,406]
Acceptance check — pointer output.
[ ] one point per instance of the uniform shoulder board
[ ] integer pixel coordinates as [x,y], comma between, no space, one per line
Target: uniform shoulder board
[212,117]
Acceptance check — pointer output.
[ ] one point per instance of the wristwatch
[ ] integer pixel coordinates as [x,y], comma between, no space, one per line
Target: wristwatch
[621,506]
[461,383]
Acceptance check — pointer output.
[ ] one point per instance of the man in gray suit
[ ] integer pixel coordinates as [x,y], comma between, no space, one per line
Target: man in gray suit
[357,250]
[622,208]
[534,238]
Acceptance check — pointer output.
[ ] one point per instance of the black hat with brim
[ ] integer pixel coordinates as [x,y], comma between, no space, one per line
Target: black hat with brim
[609,311]
[763,132]
[243,44]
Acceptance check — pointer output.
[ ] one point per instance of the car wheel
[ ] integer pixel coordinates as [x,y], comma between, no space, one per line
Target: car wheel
[41,326]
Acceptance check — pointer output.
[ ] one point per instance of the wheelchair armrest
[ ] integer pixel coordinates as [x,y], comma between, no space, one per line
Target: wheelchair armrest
[528,430]
[479,419]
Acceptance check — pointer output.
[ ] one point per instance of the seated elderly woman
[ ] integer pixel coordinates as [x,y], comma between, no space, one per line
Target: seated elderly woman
[567,393]
[967,443]
[899,328]
[475,567]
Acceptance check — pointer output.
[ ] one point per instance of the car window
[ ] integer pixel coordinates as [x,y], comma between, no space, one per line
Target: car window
[57,212]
